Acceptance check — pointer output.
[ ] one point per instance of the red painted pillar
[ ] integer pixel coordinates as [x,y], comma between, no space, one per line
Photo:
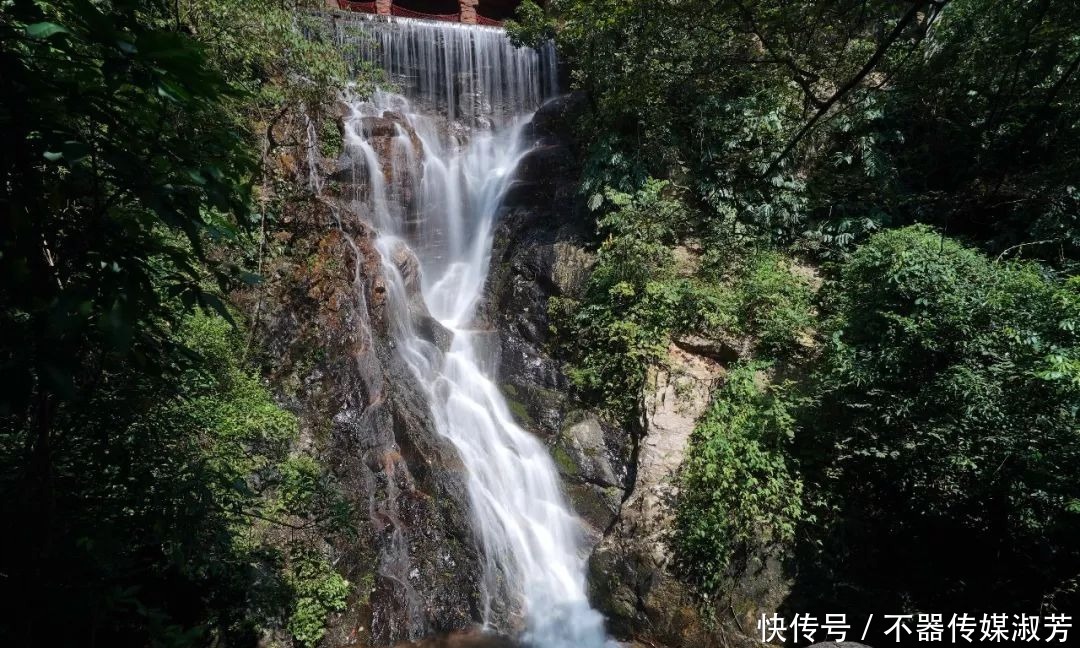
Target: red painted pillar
[468,11]
[382,7]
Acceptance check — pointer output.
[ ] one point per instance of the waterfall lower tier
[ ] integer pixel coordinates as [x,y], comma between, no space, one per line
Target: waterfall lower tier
[430,185]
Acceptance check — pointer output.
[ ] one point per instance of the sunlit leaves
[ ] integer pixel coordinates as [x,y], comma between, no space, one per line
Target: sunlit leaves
[949,379]
[739,489]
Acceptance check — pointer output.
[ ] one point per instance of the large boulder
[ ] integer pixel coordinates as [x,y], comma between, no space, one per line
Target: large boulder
[594,477]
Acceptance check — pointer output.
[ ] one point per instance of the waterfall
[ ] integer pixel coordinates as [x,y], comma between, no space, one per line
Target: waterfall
[461,71]
[433,159]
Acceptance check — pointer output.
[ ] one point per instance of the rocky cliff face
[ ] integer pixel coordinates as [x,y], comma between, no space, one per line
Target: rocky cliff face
[543,249]
[630,569]
[622,480]
[321,317]
[409,551]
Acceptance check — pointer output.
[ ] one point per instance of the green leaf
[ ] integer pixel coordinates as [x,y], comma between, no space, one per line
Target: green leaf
[44,30]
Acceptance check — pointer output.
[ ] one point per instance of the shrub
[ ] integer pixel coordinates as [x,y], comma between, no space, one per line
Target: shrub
[772,304]
[947,418]
[531,26]
[318,591]
[636,298]
[739,489]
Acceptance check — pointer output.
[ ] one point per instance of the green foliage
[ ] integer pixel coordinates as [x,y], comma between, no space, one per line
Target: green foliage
[993,160]
[530,27]
[633,299]
[768,301]
[89,193]
[819,123]
[714,92]
[191,483]
[945,397]
[319,590]
[738,489]
[277,56]
[147,473]
[943,416]
[637,297]
[640,231]
[330,141]
[245,443]
[947,410]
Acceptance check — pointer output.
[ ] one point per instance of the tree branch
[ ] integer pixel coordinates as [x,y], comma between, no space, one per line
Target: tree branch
[804,78]
[854,81]
[1024,245]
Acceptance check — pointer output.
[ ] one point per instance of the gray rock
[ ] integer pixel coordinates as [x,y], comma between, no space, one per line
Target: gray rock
[583,442]
[412,558]
[570,268]
[543,249]
[631,577]
[588,469]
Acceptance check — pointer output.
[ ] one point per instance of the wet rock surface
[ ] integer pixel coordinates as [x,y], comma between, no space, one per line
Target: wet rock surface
[410,553]
[544,248]
[323,318]
[541,250]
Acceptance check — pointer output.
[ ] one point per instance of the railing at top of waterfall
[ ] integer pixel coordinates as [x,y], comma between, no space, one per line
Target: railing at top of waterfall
[401,12]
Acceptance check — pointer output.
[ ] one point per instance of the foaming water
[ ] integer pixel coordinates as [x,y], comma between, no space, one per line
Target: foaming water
[431,189]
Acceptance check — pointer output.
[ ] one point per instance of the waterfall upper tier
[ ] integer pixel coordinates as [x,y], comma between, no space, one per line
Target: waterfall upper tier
[465,72]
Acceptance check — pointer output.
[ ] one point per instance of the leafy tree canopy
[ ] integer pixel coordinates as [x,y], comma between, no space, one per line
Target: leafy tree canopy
[945,432]
[147,474]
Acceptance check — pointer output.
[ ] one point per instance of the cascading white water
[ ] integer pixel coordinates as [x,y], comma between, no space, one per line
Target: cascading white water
[453,184]
[461,71]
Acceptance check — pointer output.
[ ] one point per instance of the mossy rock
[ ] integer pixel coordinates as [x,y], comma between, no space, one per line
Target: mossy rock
[517,408]
[565,462]
[596,505]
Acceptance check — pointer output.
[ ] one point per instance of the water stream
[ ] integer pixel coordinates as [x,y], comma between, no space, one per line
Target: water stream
[438,158]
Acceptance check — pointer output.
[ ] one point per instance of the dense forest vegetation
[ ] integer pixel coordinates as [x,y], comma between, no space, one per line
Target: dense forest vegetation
[881,197]
[152,487]
[877,198]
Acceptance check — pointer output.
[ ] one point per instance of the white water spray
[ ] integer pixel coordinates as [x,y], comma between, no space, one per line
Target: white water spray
[431,193]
